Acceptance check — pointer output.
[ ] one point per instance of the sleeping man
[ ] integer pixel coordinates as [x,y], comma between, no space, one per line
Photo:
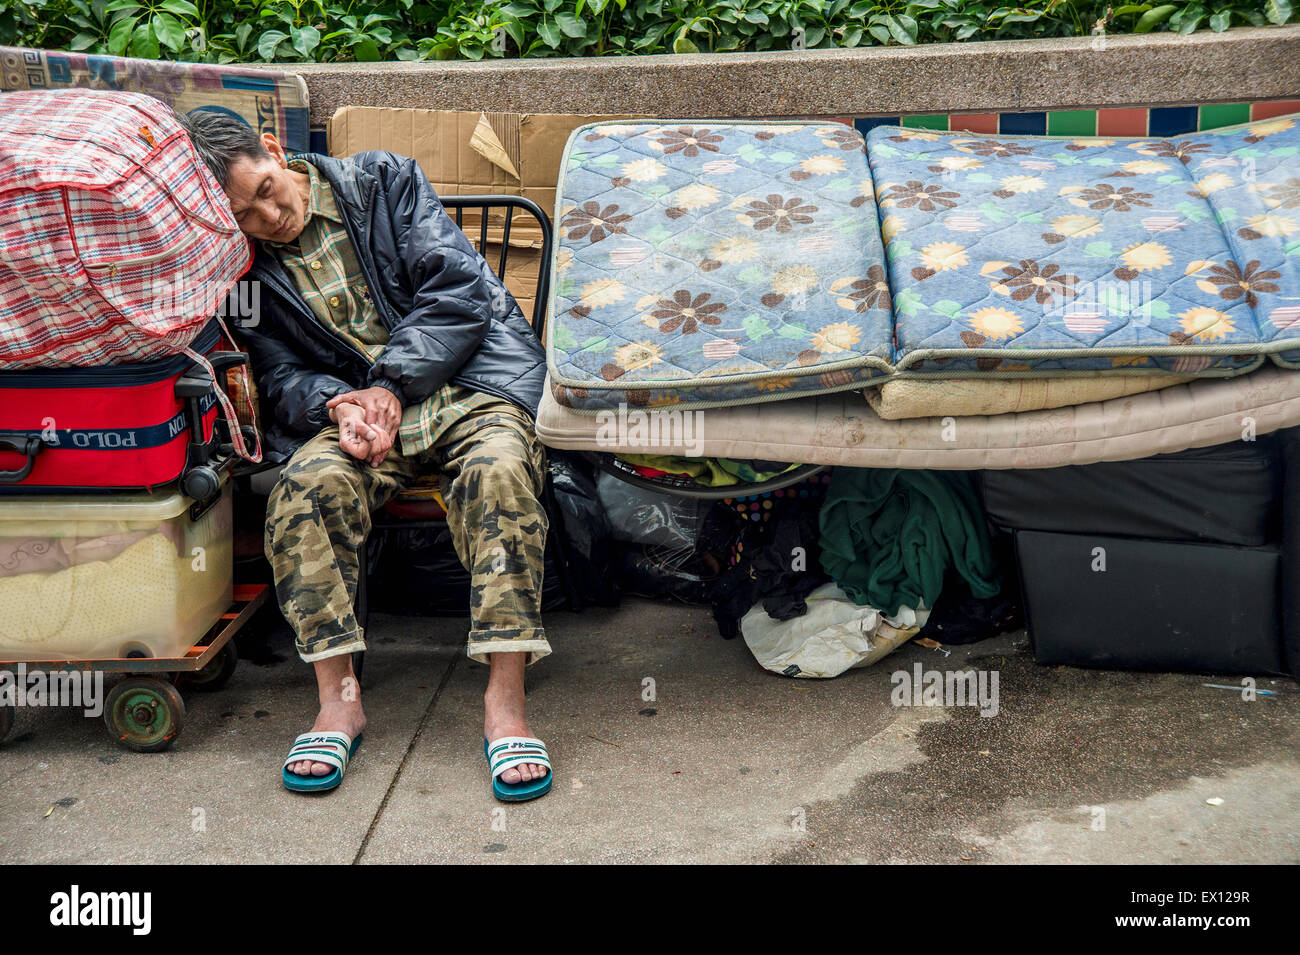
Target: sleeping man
[386,346]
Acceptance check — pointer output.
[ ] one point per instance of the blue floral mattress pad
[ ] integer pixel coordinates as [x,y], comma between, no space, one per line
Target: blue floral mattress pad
[720,263]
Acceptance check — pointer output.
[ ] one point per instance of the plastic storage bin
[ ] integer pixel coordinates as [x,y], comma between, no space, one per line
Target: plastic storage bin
[101,577]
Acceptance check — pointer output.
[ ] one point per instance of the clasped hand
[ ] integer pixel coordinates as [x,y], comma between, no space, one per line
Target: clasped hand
[368,422]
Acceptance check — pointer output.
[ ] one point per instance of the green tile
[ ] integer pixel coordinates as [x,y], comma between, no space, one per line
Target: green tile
[934,121]
[1228,114]
[1072,122]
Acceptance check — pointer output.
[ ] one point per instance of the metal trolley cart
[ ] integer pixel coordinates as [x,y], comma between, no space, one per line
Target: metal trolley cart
[145,711]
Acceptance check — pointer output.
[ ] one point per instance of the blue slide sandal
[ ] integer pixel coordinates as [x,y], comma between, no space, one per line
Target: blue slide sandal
[333,749]
[510,751]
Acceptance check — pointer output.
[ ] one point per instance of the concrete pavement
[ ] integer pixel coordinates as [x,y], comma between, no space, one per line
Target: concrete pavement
[716,760]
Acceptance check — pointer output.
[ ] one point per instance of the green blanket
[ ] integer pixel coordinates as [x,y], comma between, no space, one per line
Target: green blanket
[888,536]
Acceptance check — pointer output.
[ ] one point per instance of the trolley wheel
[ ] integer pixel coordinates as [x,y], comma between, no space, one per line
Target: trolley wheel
[218,671]
[144,714]
[7,714]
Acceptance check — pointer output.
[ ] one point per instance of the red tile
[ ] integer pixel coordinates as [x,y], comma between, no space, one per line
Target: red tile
[1269,110]
[973,122]
[846,120]
[1121,122]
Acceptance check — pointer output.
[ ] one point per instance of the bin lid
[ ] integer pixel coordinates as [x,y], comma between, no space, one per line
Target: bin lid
[133,506]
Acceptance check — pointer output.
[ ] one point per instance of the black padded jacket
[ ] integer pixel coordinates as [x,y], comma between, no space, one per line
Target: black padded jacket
[449,317]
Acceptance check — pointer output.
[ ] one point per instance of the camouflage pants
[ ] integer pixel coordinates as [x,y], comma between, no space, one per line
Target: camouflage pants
[490,467]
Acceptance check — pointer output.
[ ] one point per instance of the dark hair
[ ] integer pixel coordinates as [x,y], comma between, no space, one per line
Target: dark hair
[220,139]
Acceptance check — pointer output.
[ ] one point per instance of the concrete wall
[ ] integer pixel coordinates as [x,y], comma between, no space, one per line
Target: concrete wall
[1248,64]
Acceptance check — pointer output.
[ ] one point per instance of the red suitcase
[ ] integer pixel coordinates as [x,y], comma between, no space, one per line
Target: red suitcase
[115,427]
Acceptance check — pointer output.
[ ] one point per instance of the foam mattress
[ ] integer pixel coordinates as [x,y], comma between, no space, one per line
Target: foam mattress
[708,263]
[1041,255]
[842,429]
[705,264]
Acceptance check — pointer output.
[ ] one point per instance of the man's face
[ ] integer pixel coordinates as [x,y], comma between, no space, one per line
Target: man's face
[269,200]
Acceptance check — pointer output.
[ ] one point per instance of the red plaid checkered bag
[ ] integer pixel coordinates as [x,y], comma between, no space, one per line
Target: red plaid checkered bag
[116,243]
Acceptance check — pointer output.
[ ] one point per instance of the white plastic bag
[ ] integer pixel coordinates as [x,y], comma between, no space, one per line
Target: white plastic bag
[833,636]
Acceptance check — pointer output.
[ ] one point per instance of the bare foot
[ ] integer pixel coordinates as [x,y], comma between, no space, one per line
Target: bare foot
[340,708]
[503,712]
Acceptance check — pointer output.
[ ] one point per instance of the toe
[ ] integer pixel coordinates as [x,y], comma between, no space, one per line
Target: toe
[510,776]
[302,768]
[539,771]
[320,769]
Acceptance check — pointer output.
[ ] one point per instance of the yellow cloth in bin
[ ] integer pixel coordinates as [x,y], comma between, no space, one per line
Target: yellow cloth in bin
[145,596]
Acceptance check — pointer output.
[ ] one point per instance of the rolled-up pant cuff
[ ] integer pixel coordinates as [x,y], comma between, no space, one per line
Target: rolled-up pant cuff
[530,640]
[350,642]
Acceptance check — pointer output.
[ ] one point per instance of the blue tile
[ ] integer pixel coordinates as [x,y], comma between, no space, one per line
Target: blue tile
[869,123]
[320,142]
[1172,120]
[1022,124]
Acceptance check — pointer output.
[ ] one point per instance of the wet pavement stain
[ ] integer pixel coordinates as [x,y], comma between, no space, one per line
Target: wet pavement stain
[1063,738]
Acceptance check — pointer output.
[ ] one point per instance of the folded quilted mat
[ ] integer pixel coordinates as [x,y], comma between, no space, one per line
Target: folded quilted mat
[703,264]
[712,263]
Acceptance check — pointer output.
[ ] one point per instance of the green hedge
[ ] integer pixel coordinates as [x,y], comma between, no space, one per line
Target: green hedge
[247,31]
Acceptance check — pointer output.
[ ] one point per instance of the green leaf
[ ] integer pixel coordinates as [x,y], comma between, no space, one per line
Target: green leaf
[1220,21]
[180,7]
[1277,11]
[549,32]
[304,39]
[120,35]
[169,31]
[897,32]
[682,45]
[82,41]
[268,41]
[1154,17]
[571,25]
[787,330]
[1100,250]
[131,5]
[144,43]
[514,31]
[366,50]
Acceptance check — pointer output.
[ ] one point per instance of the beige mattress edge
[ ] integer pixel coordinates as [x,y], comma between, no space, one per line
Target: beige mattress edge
[842,429]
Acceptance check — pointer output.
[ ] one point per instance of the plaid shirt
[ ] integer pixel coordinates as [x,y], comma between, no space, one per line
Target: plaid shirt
[324,268]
